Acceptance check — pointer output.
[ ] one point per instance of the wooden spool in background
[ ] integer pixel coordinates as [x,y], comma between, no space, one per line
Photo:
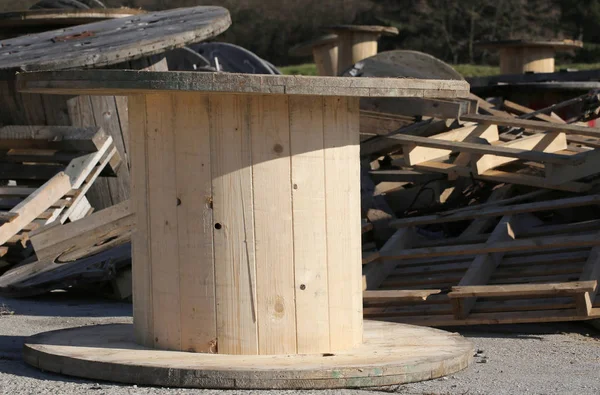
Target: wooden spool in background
[19,23]
[357,42]
[522,56]
[324,51]
[135,42]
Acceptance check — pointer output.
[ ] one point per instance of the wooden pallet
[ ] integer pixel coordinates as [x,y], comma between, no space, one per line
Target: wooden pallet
[513,274]
[45,173]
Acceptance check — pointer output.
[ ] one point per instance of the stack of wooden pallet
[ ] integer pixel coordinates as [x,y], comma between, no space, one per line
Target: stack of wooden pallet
[45,172]
[482,214]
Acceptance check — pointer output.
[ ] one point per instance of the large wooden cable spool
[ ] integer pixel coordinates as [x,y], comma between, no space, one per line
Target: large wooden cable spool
[136,42]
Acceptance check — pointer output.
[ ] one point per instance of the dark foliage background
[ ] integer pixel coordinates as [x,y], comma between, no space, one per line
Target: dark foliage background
[444,28]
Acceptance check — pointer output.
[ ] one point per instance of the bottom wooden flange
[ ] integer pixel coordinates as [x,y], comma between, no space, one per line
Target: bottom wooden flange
[391,354]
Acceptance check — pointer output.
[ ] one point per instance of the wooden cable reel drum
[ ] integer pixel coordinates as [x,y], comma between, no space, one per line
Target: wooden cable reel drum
[137,42]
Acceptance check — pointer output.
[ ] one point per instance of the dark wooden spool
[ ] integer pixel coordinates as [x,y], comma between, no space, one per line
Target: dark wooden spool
[135,43]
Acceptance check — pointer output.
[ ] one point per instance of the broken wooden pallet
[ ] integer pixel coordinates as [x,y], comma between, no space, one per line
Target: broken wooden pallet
[45,172]
[91,250]
[517,273]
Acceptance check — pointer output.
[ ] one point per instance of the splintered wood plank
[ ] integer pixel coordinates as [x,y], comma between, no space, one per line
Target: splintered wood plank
[52,240]
[342,200]
[231,167]
[195,222]
[162,206]
[526,290]
[141,238]
[550,142]
[310,241]
[416,154]
[273,230]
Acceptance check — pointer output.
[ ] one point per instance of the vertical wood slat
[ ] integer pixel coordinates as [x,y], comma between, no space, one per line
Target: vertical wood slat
[141,236]
[162,206]
[106,116]
[310,242]
[342,197]
[272,198]
[195,223]
[235,268]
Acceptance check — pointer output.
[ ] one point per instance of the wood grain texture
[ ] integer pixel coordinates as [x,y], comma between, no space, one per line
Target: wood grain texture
[194,222]
[233,211]
[309,213]
[163,221]
[273,225]
[342,199]
[119,82]
[143,320]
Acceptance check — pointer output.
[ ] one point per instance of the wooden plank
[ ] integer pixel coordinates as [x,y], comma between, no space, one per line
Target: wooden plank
[399,295]
[522,110]
[481,269]
[590,272]
[382,145]
[309,211]
[35,204]
[533,244]
[413,107]
[106,116]
[231,167]
[271,172]
[90,179]
[558,174]
[556,204]
[16,191]
[416,154]
[550,142]
[529,290]
[66,138]
[50,241]
[488,107]
[195,223]
[480,225]
[342,202]
[163,221]
[513,317]
[502,177]
[532,125]
[143,316]
[482,149]
[375,273]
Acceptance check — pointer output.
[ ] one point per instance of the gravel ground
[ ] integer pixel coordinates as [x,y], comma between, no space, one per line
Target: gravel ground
[562,358]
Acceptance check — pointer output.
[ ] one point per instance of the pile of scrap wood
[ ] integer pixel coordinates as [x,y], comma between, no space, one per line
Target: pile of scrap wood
[481,212]
[45,174]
